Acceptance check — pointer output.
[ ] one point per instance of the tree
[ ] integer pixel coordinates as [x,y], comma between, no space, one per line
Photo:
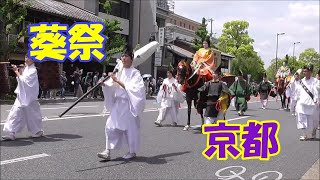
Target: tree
[12,15]
[235,40]
[310,56]
[115,42]
[202,34]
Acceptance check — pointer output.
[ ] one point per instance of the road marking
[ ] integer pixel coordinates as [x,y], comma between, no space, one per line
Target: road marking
[24,158]
[101,114]
[233,119]
[77,107]
[233,175]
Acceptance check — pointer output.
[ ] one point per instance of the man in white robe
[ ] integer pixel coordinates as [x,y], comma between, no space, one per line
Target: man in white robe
[26,108]
[294,83]
[169,96]
[307,104]
[125,99]
[318,87]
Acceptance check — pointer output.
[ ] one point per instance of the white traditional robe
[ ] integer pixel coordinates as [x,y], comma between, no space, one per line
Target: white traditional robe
[125,106]
[318,109]
[293,94]
[306,108]
[169,98]
[26,108]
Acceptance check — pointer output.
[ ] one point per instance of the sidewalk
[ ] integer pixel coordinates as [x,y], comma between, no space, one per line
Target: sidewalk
[312,173]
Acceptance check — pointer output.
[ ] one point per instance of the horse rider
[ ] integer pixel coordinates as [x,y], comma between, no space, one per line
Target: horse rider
[203,61]
[283,74]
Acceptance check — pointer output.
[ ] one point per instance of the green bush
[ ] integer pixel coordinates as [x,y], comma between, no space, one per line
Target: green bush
[8,97]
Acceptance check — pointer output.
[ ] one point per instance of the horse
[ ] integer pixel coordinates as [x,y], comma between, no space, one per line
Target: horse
[281,85]
[190,86]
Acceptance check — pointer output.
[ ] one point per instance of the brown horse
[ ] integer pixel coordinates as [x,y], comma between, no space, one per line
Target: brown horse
[190,86]
[281,85]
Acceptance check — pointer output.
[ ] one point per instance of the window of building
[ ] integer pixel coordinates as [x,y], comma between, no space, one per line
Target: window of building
[189,26]
[118,8]
[192,28]
[181,24]
[184,25]
[175,22]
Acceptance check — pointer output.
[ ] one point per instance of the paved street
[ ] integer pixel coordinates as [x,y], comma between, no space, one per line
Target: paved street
[68,151]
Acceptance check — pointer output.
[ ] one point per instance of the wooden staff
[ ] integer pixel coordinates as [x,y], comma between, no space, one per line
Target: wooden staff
[140,56]
[88,92]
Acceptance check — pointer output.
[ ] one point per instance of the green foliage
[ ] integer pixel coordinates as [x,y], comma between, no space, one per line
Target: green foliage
[115,42]
[235,35]
[12,15]
[249,65]
[235,40]
[202,34]
[309,56]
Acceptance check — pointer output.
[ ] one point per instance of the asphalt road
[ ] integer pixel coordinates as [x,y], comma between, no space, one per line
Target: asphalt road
[68,151]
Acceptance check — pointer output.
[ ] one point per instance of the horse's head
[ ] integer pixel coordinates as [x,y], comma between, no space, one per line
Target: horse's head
[183,71]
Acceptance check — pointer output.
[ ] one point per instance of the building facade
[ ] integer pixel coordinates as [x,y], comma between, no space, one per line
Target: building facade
[179,33]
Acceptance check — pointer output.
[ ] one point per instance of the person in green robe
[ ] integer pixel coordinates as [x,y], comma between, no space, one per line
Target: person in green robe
[241,91]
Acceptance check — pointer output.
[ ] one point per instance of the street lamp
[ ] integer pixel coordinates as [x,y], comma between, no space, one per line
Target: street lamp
[294,45]
[278,34]
[210,20]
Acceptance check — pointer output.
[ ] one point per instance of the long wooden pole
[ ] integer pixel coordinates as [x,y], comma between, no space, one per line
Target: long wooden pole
[88,92]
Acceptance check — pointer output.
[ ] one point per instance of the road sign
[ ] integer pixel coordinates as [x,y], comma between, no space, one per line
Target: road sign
[161,36]
[158,58]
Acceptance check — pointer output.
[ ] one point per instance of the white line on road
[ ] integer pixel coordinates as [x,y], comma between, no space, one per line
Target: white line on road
[77,107]
[24,158]
[243,117]
[233,119]
[101,114]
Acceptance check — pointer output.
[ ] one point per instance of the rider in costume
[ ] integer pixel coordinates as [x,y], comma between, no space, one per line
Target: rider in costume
[203,61]
[283,72]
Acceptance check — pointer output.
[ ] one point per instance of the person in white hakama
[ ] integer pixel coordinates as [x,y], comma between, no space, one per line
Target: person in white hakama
[294,83]
[26,108]
[125,99]
[307,104]
[318,87]
[169,96]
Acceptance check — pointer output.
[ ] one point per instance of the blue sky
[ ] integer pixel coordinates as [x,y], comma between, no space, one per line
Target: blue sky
[299,20]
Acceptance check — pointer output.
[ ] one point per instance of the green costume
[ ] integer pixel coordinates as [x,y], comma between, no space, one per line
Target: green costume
[242,91]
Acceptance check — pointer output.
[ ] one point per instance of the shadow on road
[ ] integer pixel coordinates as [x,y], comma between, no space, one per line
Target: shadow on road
[160,159]
[169,125]
[16,143]
[56,137]
[46,138]
[315,139]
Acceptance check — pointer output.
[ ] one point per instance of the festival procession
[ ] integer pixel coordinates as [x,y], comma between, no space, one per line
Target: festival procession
[87,91]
